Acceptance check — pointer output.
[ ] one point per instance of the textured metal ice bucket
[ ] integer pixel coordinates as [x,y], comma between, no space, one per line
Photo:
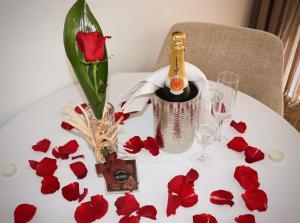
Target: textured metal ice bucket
[174,123]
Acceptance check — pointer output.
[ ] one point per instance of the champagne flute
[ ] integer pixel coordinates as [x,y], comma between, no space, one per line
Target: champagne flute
[205,127]
[227,84]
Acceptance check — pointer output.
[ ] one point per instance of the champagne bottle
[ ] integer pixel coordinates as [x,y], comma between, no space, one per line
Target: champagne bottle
[176,88]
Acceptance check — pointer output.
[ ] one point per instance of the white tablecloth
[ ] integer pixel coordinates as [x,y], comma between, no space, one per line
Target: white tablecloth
[266,130]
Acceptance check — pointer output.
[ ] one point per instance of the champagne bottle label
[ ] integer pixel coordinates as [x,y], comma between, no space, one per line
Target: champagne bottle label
[177,80]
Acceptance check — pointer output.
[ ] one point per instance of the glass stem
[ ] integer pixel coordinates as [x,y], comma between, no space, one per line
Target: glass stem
[219,129]
[202,157]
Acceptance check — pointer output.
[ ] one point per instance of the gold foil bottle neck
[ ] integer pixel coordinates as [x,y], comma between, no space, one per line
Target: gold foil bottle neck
[177,80]
[178,40]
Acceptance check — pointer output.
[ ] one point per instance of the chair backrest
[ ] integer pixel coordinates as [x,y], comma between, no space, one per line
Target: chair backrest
[257,56]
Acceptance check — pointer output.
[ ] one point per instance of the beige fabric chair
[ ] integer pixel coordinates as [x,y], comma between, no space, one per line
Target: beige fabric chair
[257,56]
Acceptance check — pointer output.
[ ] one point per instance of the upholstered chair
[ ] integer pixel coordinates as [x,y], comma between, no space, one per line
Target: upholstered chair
[257,56]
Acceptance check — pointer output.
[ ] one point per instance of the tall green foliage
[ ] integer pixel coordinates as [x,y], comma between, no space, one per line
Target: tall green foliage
[92,77]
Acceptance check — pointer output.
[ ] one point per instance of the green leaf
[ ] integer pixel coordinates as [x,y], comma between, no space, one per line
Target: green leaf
[80,18]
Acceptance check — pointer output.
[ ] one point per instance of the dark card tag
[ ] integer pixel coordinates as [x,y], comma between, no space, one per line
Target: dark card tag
[119,175]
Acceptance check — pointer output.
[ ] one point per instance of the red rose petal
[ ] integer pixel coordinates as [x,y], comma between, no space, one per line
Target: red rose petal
[24,213]
[58,155]
[204,218]
[256,200]
[78,109]
[71,191]
[176,183]
[79,169]
[151,145]
[191,176]
[246,218]
[126,204]
[83,195]
[33,164]
[239,126]
[187,196]
[134,145]
[221,197]
[50,184]
[55,153]
[100,206]
[237,144]
[173,203]
[42,145]
[253,154]
[66,126]
[84,213]
[69,148]
[247,177]
[130,219]
[122,115]
[148,211]
[46,166]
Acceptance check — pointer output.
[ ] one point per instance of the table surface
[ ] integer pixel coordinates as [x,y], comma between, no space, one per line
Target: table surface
[266,130]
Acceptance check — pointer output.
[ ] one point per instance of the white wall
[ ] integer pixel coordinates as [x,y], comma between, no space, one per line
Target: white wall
[32,58]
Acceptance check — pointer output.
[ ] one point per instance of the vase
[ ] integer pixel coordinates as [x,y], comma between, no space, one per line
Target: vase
[103,130]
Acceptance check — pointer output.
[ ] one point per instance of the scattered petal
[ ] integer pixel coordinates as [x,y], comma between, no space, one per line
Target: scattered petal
[191,176]
[148,211]
[239,126]
[122,115]
[253,154]
[173,203]
[237,144]
[183,187]
[204,218]
[69,148]
[126,204]
[151,145]
[100,206]
[46,166]
[256,200]
[84,213]
[79,169]
[33,164]
[187,195]
[24,213]
[55,153]
[130,219]
[71,191]
[78,109]
[83,195]
[221,197]
[50,184]
[66,126]
[42,145]
[134,145]
[247,177]
[246,218]
[176,183]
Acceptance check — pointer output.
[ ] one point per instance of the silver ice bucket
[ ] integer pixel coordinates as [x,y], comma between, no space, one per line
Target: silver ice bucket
[174,122]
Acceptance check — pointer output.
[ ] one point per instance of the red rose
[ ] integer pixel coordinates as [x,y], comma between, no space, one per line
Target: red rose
[92,45]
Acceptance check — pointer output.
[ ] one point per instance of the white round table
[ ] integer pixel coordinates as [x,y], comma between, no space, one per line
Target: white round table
[266,130]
